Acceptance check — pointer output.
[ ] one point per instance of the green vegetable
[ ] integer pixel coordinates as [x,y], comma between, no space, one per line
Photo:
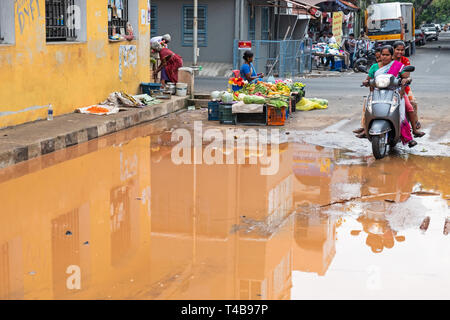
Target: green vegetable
[254,100]
[278,103]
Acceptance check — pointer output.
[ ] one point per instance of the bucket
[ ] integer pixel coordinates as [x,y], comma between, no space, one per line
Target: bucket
[182,89]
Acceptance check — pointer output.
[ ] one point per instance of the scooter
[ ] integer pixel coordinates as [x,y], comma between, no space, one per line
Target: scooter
[366,59]
[382,112]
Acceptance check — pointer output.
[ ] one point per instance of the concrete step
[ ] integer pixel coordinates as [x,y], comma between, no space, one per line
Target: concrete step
[202,96]
[199,103]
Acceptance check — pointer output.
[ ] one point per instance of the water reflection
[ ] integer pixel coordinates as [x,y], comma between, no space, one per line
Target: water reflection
[138,226]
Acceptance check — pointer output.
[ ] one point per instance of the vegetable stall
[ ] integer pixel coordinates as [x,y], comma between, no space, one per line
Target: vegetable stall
[260,103]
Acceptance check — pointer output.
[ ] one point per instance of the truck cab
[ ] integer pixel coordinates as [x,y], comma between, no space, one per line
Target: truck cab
[390,22]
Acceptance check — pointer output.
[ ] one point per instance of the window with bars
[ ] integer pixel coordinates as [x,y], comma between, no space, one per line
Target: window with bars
[60,20]
[117,17]
[251,23]
[154,21]
[188,26]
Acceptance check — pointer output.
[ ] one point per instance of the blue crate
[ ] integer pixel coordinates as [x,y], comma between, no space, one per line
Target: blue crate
[147,87]
[213,111]
[338,65]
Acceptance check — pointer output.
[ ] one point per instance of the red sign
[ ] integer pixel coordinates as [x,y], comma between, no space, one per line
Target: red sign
[245,45]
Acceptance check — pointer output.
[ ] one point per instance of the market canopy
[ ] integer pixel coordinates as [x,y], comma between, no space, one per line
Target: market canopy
[332,5]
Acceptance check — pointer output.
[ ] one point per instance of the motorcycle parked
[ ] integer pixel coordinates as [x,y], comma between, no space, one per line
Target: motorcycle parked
[382,112]
[366,59]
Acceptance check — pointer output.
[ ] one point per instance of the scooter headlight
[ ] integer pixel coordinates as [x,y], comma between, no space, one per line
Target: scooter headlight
[394,104]
[383,81]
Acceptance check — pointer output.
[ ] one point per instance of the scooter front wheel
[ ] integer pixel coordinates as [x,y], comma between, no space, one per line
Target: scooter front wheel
[379,146]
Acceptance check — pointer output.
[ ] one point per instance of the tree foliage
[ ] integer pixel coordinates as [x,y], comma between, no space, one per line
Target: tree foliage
[429,11]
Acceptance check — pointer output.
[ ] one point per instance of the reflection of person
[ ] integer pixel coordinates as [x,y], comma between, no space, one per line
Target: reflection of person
[170,63]
[248,71]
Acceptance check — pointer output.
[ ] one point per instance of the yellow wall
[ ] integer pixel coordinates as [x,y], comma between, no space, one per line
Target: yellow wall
[34,73]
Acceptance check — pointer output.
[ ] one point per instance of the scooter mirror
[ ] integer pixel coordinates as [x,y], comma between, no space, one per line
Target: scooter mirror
[409,69]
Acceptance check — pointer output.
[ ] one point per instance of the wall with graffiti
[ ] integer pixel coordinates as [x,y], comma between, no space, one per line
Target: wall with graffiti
[75,72]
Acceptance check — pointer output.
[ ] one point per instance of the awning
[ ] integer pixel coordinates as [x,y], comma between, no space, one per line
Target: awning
[332,5]
[347,5]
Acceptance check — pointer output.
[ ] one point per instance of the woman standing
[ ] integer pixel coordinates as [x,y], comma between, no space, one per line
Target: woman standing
[170,63]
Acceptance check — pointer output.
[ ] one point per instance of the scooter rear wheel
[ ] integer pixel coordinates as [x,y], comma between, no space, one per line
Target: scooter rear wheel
[379,146]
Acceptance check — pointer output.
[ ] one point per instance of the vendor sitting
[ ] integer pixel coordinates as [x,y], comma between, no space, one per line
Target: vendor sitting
[248,71]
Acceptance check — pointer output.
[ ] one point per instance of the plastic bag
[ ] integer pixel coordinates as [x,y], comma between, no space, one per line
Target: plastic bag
[307,105]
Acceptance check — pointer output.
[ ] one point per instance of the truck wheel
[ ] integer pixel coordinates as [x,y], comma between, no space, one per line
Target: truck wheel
[408,50]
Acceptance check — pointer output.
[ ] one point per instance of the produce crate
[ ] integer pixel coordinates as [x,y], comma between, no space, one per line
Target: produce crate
[276,116]
[213,111]
[252,119]
[148,87]
[226,114]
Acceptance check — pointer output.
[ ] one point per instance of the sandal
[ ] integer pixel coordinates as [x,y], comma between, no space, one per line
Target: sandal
[358,131]
[412,143]
[419,134]
[361,135]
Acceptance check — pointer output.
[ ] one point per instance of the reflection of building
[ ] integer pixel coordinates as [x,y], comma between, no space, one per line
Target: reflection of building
[11,269]
[226,226]
[315,239]
[58,227]
[314,232]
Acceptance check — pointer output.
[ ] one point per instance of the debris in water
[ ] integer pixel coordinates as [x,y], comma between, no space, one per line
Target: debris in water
[425,224]
[86,243]
[68,233]
[424,150]
[425,193]
[355,232]
[32,273]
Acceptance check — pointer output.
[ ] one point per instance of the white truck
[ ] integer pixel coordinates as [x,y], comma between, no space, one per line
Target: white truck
[389,22]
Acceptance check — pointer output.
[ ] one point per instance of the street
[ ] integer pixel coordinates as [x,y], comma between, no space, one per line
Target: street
[137,215]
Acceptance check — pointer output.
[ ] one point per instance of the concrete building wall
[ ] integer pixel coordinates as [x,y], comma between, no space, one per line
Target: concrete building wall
[69,75]
[220,28]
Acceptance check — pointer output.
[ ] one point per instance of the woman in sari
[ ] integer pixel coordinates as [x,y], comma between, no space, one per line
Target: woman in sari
[399,55]
[395,68]
[170,63]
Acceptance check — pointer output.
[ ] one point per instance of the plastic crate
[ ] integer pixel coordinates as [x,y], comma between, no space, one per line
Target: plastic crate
[213,111]
[148,87]
[226,114]
[276,116]
[251,119]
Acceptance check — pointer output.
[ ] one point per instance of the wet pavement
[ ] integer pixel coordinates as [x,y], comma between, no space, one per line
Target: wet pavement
[116,218]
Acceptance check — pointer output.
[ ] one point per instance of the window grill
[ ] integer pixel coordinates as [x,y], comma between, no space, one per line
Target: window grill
[60,20]
[188,25]
[117,16]
[154,21]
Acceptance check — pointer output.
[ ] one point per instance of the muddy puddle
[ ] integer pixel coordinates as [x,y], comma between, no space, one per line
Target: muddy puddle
[116,218]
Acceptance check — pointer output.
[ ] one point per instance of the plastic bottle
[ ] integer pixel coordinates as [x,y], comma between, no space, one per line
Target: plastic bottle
[50,112]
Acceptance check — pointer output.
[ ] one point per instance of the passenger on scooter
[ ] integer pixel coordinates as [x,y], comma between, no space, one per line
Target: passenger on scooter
[390,66]
[399,55]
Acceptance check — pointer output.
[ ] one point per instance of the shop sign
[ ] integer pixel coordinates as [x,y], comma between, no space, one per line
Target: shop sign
[337,26]
[314,12]
[245,45]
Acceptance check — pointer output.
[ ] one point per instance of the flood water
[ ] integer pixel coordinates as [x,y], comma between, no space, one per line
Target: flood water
[115,218]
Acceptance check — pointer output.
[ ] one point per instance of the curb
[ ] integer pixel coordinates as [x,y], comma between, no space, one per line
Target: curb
[19,152]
